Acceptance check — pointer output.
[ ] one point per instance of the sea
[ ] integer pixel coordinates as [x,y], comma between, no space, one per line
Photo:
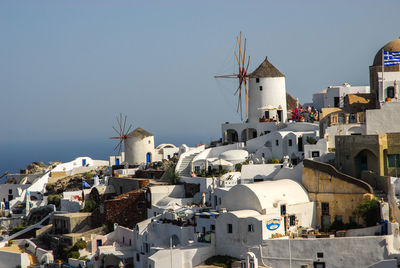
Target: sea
[16,155]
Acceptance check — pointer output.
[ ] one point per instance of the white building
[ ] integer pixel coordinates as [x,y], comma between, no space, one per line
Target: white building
[267,105]
[265,210]
[289,141]
[267,94]
[139,147]
[333,96]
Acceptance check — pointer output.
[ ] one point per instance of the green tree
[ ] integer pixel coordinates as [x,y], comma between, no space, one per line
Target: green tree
[173,176]
[90,205]
[238,167]
[54,199]
[88,175]
[369,211]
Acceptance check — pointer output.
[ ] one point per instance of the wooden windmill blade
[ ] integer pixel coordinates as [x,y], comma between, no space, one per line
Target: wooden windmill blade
[122,133]
[241,75]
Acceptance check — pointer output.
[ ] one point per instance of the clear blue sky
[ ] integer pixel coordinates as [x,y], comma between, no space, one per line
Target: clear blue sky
[69,67]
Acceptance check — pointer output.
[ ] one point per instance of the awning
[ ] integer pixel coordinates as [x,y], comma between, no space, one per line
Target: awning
[221,162]
[214,214]
[268,107]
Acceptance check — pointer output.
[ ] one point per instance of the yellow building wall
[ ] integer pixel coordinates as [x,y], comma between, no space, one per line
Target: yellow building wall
[343,197]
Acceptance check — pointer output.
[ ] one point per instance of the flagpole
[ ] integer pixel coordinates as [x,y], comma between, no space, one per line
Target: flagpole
[383,71]
[83,192]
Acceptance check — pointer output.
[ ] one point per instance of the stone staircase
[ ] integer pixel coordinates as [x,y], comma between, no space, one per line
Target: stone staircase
[184,168]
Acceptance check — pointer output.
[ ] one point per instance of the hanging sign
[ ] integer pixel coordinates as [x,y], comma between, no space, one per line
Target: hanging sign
[273,224]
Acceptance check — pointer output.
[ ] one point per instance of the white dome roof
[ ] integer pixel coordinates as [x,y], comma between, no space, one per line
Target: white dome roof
[234,155]
[262,195]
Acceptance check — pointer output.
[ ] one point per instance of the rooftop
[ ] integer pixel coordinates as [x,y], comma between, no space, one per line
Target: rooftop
[266,69]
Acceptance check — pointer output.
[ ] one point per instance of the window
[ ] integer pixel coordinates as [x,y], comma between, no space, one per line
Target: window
[267,132]
[123,240]
[394,160]
[315,154]
[338,218]
[99,242]
[219,200]
[300,144]
[277,142]
[229,228]
[137,257]
[290,142]
[260,88]
[263,155]
[130,242]
[336,101]
[352,219]
[155,214]
[250,228]
[390,92]
[10,191]
[212,227]
[318,264]
[320,254]
[283,209]
[292,220]
[257,80]
[325,209]
[120,189]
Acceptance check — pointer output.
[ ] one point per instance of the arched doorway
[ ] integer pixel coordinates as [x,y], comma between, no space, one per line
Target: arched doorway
[232,136]
[365,160]
[252,134]
[174,240]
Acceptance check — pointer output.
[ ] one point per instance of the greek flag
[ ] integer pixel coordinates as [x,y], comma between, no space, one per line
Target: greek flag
[391,58]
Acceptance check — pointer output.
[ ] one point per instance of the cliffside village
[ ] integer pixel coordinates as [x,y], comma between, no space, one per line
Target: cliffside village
[313,185]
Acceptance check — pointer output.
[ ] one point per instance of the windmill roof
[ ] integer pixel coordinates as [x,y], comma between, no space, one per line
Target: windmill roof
[266,69]
[140,133]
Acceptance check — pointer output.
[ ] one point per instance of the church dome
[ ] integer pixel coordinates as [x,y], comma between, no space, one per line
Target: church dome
[393,45]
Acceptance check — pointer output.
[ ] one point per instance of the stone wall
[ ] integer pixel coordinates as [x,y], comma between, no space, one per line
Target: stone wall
[149,174]
[326,185]
[124,185]
[127,209]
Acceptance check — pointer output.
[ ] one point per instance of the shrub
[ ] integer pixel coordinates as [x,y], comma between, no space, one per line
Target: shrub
[49,187]
[222,172]
[88,175]
[238,167]
[81,244]
[54,199]
[273,161]
[337,225]
[74,254]
[90,205]
[369,211]
[173,176]
[311,140]
[221,261]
